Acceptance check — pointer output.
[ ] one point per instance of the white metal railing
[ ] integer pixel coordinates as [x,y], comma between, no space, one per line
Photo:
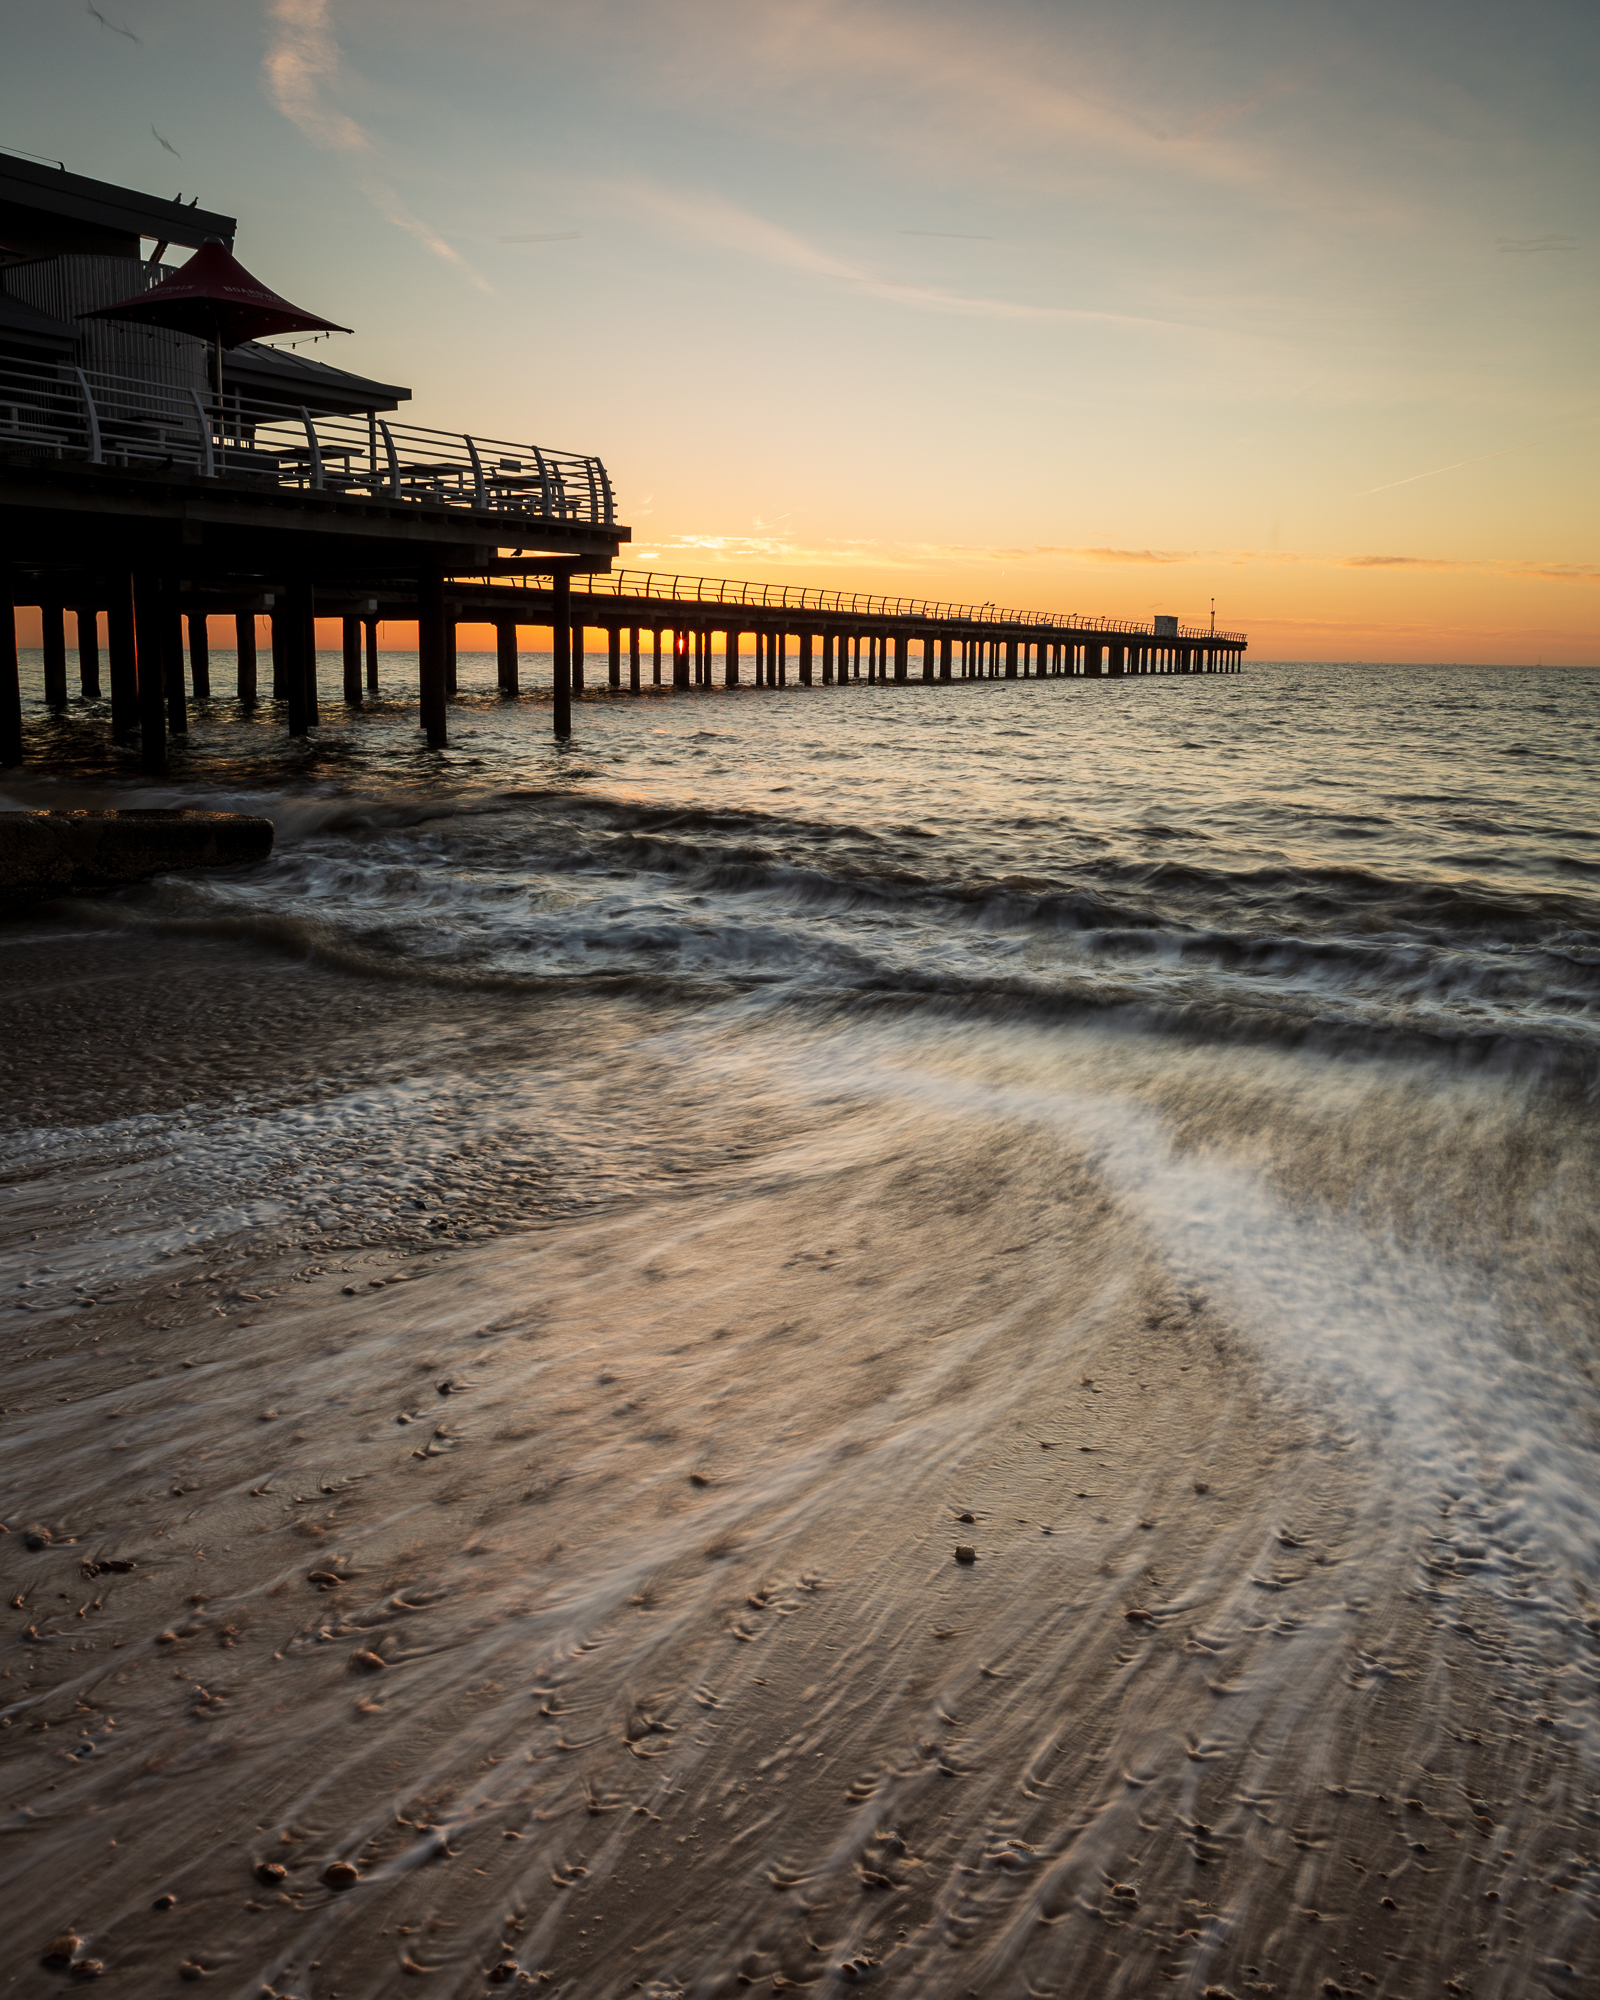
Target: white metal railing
[59,410]
[658,587]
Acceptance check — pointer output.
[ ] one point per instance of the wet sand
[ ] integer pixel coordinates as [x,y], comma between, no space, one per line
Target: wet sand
[557,1584]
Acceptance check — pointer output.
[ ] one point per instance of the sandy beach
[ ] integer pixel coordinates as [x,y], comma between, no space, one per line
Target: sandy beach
[553,1590]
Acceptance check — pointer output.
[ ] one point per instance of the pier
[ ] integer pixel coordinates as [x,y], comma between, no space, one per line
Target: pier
[150,479]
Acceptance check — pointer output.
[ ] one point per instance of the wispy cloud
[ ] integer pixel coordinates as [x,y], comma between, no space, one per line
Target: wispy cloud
[1531,246]
[711,218]
[302,68]
[778,550]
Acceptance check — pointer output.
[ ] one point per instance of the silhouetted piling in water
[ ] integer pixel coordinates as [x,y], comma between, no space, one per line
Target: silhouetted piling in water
[350,636]
[53,643]
[199,655]
[561,654]
[244,651]
[88,622]
[505,656]
[122,654]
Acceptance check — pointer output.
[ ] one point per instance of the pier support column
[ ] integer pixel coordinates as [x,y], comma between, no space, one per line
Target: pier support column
[614,658]
[150,640]
[680,658]
[1011,659]
[633,659]
[945,663]
[561,652]
[730,658]
[506,664]
[805,659]
[432,641]
[123,656]
[372,655]
[87,619]
[172,662]
[350,637]
[10,675]
[655,657]
[244,654]
[199,656]
[827,658]
[577,657]
[53,640]
[298,616]
[280,652]
[450,653]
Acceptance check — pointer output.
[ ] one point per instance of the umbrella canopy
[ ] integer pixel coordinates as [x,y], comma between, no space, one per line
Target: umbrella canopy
[214,297]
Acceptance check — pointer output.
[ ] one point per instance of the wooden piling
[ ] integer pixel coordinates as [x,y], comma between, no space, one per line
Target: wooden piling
[561,652]
[450,655]
[433,625]
[199,655]
[633,659]
[350,638]
[87,619]
[122,654]
[150,623]
[577,659]
[506,663]
[730,658]
[280,650]
[298,670]
[172,662]
[655,657]
[372,655]
[53,641]
[614,658]
[244,651]
[805,659]
[10,675]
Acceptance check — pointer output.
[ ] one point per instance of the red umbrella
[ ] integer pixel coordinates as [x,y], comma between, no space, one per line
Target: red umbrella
[214,297]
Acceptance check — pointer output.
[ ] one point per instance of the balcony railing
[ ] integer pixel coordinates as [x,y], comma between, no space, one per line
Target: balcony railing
[57,410]
[659,587]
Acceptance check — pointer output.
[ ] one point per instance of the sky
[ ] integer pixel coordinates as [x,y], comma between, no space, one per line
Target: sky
[1106,308]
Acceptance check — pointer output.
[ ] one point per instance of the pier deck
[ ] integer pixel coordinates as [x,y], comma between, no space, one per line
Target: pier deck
[157,508]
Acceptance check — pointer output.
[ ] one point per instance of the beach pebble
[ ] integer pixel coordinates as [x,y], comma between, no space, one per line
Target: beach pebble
[270,1871]
[499,1975]
[363,1662]
[341,1874]
[191,1968]
[36,1538]
[61,1950]
[165,1901]
[969,1519]
[86,1968]
[966,1553]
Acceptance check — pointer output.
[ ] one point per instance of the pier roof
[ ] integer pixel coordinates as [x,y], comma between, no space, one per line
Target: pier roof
[47,212]
[279,376]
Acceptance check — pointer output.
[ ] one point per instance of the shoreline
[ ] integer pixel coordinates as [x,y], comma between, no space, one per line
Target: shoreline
[589,1589]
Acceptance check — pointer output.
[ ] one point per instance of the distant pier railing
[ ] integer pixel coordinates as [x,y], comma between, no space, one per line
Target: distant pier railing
[658,586]
[57,410]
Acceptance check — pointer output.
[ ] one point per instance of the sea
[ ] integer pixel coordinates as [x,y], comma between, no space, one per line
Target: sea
[1140,1133]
